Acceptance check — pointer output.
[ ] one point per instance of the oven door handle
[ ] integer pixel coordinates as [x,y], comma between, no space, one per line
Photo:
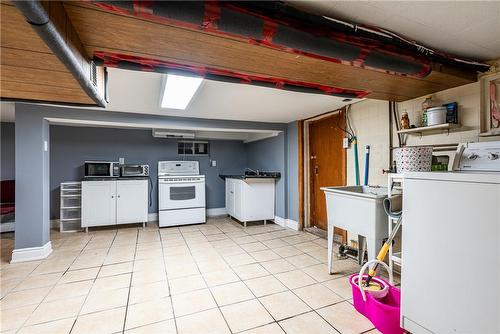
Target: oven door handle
[180,182]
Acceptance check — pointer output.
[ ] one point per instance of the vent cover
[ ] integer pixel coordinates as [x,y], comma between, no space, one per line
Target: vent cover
[93,73]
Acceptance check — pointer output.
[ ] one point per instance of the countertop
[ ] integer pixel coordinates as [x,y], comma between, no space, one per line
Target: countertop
[115,178]
[267,175]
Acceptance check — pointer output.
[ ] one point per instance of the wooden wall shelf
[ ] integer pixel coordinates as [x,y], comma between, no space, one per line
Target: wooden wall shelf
[432,129]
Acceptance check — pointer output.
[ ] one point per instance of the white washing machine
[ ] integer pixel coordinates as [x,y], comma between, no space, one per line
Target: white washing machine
[450,279]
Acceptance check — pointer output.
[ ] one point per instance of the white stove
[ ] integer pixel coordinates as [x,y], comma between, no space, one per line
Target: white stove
[181,193]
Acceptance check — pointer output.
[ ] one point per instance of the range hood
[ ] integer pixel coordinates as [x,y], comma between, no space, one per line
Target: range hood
[164,133]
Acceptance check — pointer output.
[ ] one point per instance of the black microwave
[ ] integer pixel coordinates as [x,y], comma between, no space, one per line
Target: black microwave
[102,169]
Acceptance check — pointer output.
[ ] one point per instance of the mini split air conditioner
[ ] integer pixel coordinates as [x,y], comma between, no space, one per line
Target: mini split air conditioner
[164,133]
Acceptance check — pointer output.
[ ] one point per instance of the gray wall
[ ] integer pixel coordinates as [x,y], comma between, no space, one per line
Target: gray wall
[71,146]
[270,155]
[32,176]
[7,159]
[32,160]
[292,192]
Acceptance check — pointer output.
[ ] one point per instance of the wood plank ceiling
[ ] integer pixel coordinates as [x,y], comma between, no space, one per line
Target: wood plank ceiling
[101,30]
[29,69]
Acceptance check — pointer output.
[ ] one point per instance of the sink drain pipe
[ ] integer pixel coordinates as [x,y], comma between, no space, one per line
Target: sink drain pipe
[40,21]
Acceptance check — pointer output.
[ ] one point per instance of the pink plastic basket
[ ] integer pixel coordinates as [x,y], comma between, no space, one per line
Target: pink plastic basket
[384,313]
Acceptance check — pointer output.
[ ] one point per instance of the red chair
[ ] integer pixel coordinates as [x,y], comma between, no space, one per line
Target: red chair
[7,197]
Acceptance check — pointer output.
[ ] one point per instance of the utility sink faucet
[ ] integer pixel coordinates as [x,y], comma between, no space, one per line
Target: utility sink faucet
[253,171]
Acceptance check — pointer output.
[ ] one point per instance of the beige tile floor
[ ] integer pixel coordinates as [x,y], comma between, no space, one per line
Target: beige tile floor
[211,278]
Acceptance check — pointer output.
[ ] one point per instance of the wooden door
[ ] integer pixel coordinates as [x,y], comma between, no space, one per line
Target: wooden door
[327,165]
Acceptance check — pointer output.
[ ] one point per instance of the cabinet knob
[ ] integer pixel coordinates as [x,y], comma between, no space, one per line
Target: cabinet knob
[112,196]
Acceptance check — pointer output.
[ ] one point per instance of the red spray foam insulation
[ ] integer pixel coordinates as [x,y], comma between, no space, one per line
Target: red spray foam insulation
[151,65]
[279,26]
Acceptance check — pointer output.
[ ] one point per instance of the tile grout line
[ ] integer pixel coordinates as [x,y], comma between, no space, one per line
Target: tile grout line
[208,288]
[291,290]
[93,280]
[130,283]
[190,239]
[168,283]
[43,299]
[255,297]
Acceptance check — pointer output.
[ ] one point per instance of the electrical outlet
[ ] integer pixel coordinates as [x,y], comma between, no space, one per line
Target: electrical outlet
[122,161]
[214,163]
[346,143]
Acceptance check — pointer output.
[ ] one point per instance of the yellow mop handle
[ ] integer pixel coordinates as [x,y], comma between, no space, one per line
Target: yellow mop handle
[381,256]
[383,252]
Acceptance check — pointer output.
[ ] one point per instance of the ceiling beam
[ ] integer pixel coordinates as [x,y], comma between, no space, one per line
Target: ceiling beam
[50,22]
[130,35]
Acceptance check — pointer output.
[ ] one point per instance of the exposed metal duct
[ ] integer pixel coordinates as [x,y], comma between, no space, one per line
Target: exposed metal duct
[40,21]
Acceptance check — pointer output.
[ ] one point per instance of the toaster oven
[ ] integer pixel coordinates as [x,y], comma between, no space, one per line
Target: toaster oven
[134,170]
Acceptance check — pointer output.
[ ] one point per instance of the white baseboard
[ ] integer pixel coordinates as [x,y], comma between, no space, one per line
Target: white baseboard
[280,221]
[216,212]
[31,253]
[153,217]
[289,223]
[294,225]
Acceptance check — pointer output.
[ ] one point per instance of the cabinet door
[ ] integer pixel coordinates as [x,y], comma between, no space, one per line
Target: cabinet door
[131,201]
[98,203]
[230,196]
[239,199]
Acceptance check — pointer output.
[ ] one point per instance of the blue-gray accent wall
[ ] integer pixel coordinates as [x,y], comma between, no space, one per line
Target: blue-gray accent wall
[270,155]
[71,146]
[7,158]
[32,159]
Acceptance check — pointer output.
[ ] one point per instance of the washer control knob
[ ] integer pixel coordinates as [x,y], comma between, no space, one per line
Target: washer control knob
[492,156]
[472,156]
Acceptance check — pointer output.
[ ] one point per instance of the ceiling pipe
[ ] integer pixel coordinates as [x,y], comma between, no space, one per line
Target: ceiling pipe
[40,21]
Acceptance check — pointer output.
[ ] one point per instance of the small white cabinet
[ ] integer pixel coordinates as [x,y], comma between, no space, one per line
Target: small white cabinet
[131,201]
[250,199]
[114,202]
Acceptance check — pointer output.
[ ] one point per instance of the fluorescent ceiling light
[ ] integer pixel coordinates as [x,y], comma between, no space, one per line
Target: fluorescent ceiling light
[179,90]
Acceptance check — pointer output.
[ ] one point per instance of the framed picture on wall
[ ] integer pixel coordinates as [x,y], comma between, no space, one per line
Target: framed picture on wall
[490,105]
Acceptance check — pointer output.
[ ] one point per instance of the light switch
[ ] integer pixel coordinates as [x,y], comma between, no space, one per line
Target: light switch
[214,163]
[345,143]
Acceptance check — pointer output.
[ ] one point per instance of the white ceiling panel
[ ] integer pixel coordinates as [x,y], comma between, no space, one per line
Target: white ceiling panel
[139,92]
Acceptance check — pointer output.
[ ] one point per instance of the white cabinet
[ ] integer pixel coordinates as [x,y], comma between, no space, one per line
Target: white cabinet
[250,199]
[131,201]
[98,203]
[114,202]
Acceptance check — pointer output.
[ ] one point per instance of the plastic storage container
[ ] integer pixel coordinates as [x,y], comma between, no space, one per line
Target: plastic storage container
[436,116]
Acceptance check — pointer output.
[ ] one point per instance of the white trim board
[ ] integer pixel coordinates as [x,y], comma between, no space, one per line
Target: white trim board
[288,223]
[31,253]
[247,135]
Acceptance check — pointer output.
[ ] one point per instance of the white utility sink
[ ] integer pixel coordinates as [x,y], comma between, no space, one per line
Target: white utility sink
[359,210]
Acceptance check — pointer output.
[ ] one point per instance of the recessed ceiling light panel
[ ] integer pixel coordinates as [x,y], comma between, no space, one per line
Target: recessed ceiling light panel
[178,91]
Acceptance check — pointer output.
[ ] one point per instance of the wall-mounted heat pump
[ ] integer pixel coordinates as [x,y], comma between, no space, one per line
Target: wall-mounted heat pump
[165,133]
